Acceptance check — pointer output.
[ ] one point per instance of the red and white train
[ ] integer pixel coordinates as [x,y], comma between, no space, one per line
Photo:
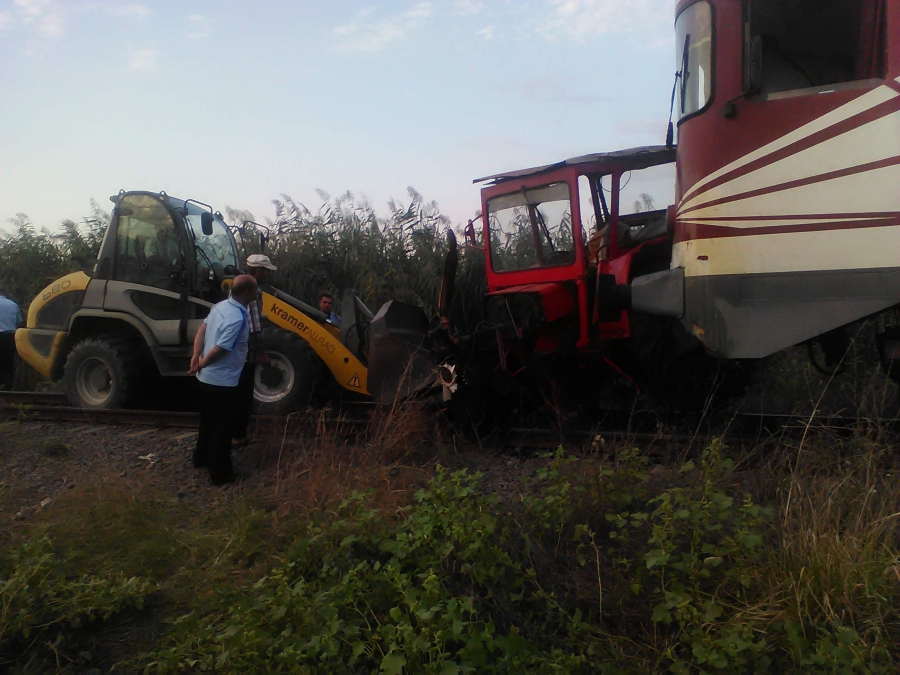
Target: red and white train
[787,223]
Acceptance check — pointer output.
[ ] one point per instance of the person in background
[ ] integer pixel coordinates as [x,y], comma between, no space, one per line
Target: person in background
[220,352]
[326,305]
[259,267]
[10,319]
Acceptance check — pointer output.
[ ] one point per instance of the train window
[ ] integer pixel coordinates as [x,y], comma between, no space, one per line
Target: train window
[816,43]
[694,54]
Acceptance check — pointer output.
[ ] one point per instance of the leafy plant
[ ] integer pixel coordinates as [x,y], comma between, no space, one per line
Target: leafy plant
[38,602]
[441,590]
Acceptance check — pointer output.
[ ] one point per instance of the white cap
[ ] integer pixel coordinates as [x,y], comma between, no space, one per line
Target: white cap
[260,260]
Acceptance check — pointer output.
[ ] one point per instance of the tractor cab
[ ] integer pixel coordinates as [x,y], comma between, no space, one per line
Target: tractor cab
[561,247]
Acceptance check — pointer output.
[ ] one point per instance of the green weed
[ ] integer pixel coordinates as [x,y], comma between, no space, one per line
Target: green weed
[40,603]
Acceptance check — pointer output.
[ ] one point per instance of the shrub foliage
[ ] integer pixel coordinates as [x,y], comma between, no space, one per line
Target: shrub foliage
[40,603]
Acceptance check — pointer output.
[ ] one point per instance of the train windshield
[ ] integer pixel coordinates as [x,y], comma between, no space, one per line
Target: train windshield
[694,45]
[531,228]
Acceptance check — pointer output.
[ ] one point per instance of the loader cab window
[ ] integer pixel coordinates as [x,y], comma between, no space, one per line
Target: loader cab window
[531,228]
[147,251]
[693,58]
[215,251]
[814,44]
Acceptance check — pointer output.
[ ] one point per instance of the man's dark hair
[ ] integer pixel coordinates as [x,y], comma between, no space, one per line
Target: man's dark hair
[323,294]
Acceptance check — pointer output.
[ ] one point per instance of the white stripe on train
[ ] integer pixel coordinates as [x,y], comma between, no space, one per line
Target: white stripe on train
[868,100]
[872,191]
[872,142]
[844,249]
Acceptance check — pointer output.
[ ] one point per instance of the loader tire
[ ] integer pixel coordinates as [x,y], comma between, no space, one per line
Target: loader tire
[102,372]
[290,381]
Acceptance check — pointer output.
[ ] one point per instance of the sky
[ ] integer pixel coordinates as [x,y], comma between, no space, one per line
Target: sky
[236,103]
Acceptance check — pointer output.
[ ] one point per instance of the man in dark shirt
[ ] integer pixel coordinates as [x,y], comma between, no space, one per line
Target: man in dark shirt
[326,305]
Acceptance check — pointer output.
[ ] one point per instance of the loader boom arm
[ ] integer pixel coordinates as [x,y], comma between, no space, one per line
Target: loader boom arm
[347,369]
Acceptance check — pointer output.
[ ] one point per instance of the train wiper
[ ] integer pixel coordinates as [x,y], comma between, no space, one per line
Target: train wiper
[681,74]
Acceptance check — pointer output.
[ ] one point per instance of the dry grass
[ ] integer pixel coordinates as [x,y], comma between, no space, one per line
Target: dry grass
[834,560]
[314,462]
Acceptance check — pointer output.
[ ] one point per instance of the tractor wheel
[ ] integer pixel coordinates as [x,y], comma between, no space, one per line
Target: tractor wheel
[102,372]
[289,381]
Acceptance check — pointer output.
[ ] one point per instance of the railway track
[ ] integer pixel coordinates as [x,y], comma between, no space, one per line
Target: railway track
[356,418]
[42,398]
[53,407]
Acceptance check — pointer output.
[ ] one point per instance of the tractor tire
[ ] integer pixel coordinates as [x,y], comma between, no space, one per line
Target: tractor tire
[290,380]
[102,372]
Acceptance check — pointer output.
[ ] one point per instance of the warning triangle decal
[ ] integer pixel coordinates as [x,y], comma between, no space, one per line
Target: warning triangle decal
[354,381]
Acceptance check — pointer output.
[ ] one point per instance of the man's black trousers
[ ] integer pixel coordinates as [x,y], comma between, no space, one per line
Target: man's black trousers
[7,352]
[244,401]
[213,449]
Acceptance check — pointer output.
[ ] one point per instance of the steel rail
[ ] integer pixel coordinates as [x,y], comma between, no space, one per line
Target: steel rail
[158,418]
[744,428]
[32,398]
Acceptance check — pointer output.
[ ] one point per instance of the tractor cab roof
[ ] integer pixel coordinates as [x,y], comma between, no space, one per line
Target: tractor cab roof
[600,162]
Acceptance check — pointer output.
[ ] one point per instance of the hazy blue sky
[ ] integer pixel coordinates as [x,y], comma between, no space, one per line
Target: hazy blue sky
[234,103]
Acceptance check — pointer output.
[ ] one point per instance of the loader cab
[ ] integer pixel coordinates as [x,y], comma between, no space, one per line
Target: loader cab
[158,265]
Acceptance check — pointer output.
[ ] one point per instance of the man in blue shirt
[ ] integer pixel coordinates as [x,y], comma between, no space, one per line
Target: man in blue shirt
[10,319]
[219,355]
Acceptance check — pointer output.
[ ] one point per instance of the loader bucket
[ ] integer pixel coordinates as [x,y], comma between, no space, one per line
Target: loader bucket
[399,362]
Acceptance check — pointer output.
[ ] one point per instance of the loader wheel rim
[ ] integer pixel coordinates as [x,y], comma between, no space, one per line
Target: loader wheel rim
[271,393]
[94,381]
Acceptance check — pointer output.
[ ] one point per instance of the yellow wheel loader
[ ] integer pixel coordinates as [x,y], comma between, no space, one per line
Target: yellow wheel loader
[113,334]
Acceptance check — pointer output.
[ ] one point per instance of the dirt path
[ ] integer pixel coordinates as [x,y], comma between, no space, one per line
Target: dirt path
[39,461]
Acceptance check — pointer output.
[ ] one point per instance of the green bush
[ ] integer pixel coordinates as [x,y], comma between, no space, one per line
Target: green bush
[39,602]
[442,591]
[690,554]
[465,582]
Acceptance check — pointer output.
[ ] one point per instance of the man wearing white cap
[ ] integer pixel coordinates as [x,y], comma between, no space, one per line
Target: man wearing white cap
[258,266]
